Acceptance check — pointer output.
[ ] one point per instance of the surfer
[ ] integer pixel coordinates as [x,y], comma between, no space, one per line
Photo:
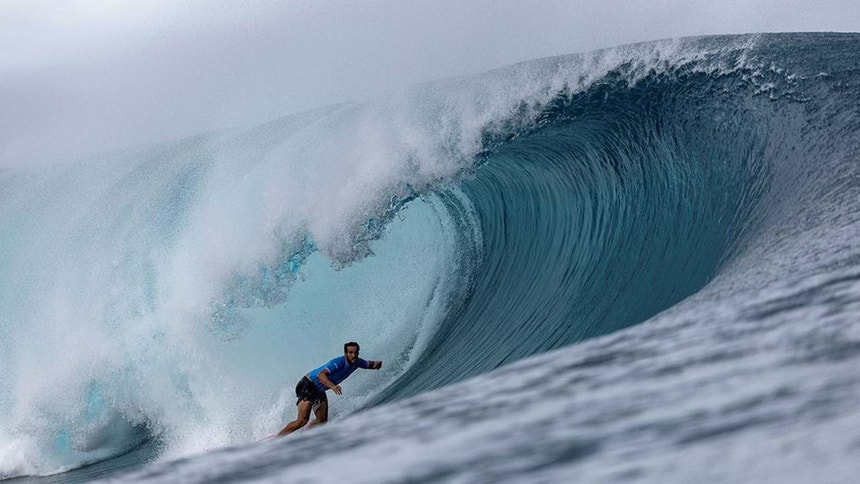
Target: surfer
[310,391]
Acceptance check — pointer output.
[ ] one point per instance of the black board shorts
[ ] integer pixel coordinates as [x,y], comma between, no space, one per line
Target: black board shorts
[306,390]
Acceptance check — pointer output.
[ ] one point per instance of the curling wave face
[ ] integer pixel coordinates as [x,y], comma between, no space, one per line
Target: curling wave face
[621,202]
[160,296]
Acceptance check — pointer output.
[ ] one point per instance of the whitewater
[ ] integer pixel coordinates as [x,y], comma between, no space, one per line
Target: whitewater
[636,264]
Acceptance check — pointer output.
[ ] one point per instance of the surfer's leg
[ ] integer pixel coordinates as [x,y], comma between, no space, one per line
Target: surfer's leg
[304,412]
[321,414]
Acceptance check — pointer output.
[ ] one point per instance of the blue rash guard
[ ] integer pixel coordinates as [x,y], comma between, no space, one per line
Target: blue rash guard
[338,369]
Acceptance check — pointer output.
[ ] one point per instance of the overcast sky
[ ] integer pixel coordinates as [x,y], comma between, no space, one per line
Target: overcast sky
[80,77]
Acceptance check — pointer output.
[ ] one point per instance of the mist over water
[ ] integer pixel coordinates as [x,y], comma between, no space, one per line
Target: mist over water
[165,288]
[83,77]
[171,295]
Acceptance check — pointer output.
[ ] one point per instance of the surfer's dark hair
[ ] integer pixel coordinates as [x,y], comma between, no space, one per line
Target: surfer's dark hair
[351,343]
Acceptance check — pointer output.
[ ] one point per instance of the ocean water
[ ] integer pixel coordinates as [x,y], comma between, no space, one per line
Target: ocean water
[638,264]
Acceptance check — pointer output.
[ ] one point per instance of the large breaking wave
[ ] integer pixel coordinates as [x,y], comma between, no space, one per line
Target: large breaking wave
[168,297]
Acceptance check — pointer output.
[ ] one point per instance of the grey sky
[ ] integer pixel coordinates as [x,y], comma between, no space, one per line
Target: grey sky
[81,77]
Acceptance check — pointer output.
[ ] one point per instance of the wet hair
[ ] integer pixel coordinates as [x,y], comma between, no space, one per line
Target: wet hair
[351,343]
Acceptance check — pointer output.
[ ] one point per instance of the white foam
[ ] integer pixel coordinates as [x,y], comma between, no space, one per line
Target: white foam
[115,264]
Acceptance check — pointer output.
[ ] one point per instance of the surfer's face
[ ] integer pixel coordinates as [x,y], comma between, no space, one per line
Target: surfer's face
[351,354]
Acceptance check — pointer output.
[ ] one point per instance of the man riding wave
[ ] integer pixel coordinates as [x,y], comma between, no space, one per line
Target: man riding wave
[310,391]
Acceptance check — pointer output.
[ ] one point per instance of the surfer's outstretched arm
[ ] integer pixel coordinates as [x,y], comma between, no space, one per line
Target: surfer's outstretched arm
[323,376]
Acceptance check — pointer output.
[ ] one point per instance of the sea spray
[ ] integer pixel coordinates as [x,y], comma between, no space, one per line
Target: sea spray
[167,293]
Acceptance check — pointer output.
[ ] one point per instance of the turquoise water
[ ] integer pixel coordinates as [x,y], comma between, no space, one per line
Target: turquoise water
[162,301]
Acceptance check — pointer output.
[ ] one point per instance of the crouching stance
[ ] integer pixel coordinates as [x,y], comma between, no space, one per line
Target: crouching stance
[310,391]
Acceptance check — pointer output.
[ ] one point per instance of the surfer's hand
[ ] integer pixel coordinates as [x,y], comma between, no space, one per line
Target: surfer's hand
[337,389]
[378,365]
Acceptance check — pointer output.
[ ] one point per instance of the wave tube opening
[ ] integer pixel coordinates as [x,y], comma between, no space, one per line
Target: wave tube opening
[617,203]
